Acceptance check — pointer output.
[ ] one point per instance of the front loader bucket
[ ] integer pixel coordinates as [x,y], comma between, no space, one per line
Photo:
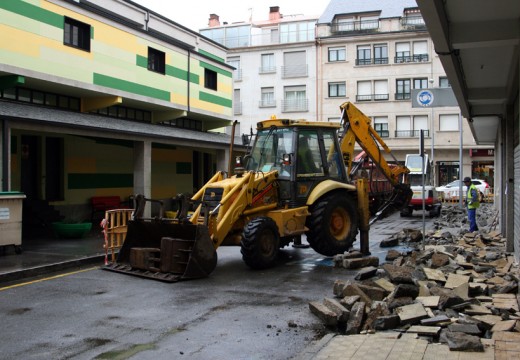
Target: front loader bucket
[166,251]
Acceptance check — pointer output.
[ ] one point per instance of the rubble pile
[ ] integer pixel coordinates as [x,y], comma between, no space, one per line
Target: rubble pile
[451,288]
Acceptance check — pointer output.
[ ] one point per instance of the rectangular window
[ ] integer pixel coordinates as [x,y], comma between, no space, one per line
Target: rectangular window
[364,91]
[381,126]
[402,89]
[295,99]
[420,122]
[444,82]
[420,51]
[237,104]
[449,122]
[76,34]
[337,54]
[402,53]
[235,62]
[420,83]
[363,55]
[156,60]
[403,126]
[267,99]
[380,54]
[295,64]
[337,89]
[381,90]
[210,79]
[268,65]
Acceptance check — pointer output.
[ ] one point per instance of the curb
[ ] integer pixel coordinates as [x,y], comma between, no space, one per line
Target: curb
[310,351]
[51,268]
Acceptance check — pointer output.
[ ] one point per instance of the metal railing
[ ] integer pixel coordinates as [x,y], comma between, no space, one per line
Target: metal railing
[403,96]
[372,61]
[355,26]
[267,103]
[295,105]
[411,58]
[370,97]
[267,70]
[410,133]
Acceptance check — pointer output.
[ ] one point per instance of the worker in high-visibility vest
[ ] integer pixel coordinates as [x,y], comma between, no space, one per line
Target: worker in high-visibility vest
[472,202]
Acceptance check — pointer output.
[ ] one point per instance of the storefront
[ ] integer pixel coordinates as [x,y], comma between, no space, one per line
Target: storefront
[483,165]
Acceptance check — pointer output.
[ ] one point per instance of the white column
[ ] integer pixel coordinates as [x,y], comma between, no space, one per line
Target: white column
[143,171]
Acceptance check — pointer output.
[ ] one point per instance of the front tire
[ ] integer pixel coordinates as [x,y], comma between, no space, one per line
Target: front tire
[260,243]
[333,224]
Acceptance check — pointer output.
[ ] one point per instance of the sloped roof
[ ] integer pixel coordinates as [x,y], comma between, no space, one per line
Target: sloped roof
[388,8]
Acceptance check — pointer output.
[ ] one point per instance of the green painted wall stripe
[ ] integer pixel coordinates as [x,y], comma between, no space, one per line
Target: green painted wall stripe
[97,181]
[170,70]
[210,55]
[108,81]
[33,12]
[215,99]
[216,69]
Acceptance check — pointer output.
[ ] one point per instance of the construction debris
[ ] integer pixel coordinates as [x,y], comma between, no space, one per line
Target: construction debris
[452,286]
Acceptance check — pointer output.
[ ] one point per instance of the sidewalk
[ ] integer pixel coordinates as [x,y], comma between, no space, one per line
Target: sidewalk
[47,254]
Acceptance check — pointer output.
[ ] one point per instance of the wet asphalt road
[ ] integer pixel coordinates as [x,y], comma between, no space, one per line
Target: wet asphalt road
[236,313]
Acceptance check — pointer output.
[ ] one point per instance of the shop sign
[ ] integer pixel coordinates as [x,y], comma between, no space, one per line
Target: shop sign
[481,152]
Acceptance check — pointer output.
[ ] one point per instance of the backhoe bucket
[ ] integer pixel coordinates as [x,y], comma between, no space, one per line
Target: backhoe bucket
[166,251]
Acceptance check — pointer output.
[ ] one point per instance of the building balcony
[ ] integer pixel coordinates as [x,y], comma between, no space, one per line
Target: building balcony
[370,97]
[413,22]
[267,70]
[295,105]
[411,59]
[372,61]
[267,103]
[403,96]
[365,26]
[410,133]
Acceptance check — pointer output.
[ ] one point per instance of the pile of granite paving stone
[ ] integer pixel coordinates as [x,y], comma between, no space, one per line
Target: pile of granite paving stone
[452,287]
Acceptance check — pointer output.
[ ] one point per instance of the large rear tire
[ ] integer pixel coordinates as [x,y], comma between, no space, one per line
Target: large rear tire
[260,243]
[333,224]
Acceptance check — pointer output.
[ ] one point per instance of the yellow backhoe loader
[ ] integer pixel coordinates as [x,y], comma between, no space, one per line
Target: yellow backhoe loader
[294,181]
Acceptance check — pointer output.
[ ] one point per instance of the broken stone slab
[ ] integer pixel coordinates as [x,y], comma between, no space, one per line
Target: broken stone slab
[434,274]
[405,290]
[380,309]
[411,314]
[327,316]
[455,280]
[386,322]
[356,317]
[505,301]
[366,273]
[338,286]
[458,341]
[505,325]
[439,260]
[429,301]
[354,289]
[489,320]
[385,284]
[348,301]
[447,298]
[471,329]
[439,319]
[334,305]
[424,330]
[360,262]
[477,310]
[390,242]
[391,255]
[399,274]
[373,292]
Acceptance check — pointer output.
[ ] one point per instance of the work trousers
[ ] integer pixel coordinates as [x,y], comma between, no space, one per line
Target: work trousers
[472,217]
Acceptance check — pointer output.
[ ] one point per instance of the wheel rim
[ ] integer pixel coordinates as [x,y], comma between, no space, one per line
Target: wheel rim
[339,224]
[266,243]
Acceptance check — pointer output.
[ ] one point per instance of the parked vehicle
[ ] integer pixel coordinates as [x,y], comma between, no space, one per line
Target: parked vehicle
[451,190]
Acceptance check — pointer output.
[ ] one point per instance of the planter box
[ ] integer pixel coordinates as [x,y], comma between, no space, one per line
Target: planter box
[70,231]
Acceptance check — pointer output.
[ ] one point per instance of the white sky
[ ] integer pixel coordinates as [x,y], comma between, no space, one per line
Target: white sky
[194,14]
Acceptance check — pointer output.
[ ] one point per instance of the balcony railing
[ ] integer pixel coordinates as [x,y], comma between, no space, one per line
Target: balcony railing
[411,58]
[292,71]
[383,133]
[410,133]
[413,22]
[267,103]
[370,97]
[267,70]
[403,96]
[237,108]
[371,61]
[237,75]
[355,26]
[295,105]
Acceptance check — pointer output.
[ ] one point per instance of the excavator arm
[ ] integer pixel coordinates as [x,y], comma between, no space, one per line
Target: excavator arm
[356,128]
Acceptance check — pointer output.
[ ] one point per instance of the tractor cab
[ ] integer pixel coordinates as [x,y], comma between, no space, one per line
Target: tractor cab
[304,154]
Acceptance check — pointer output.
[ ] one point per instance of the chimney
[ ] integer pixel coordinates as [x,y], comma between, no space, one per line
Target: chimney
[213,20]
[274,13]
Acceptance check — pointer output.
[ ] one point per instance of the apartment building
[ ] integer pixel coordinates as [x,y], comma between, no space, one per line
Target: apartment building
[374,54]
[105,97]
[275,66]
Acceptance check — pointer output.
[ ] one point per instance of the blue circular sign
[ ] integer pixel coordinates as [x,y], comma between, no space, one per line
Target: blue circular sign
[425,98]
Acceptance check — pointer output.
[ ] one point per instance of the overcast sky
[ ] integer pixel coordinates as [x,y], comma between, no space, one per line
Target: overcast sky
[194,14]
